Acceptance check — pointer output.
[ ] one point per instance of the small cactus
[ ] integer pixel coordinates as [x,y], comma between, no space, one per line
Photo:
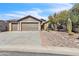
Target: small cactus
[69,25]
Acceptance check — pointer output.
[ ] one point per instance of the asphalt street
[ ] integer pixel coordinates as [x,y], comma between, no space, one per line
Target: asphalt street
[15,53]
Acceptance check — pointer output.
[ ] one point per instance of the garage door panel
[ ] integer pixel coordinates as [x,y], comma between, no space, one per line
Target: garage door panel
[31,26]
[14,26]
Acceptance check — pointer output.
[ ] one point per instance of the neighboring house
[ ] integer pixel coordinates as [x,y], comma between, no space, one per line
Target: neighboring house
[28,23]
[3,26]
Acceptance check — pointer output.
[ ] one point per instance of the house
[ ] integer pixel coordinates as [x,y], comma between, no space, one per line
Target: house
[28,23]
[3,26]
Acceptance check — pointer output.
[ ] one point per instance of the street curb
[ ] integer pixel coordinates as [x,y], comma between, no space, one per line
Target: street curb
[36,49]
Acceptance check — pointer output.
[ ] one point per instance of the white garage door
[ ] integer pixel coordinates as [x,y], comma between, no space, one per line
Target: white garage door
[30,26]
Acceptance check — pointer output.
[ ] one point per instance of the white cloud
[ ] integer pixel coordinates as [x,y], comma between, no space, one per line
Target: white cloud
[61,8]
[34,10]
[19,14]
[13,15]
[58,9]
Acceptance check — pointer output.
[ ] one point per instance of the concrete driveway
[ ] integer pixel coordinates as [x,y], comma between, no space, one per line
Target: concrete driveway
[25,38]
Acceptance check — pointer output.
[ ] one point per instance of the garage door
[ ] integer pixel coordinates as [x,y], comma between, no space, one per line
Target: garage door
[30,26]
[14,27]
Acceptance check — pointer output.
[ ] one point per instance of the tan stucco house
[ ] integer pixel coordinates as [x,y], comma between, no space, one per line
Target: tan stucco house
[28,23]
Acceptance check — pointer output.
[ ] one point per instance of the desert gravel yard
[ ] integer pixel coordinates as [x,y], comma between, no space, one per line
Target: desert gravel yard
[59,39]
[25,38]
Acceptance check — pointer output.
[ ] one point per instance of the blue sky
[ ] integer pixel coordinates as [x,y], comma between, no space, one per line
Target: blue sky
[39,10]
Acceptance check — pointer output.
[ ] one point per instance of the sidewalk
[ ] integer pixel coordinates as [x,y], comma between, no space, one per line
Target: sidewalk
[36,49]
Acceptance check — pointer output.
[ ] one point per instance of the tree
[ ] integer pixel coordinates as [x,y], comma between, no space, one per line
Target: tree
[69,25]
[74,15]
[63,16]
[58,18]
[53,22]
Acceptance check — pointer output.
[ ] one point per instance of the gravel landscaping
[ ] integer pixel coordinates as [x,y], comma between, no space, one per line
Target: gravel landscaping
[60,39]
